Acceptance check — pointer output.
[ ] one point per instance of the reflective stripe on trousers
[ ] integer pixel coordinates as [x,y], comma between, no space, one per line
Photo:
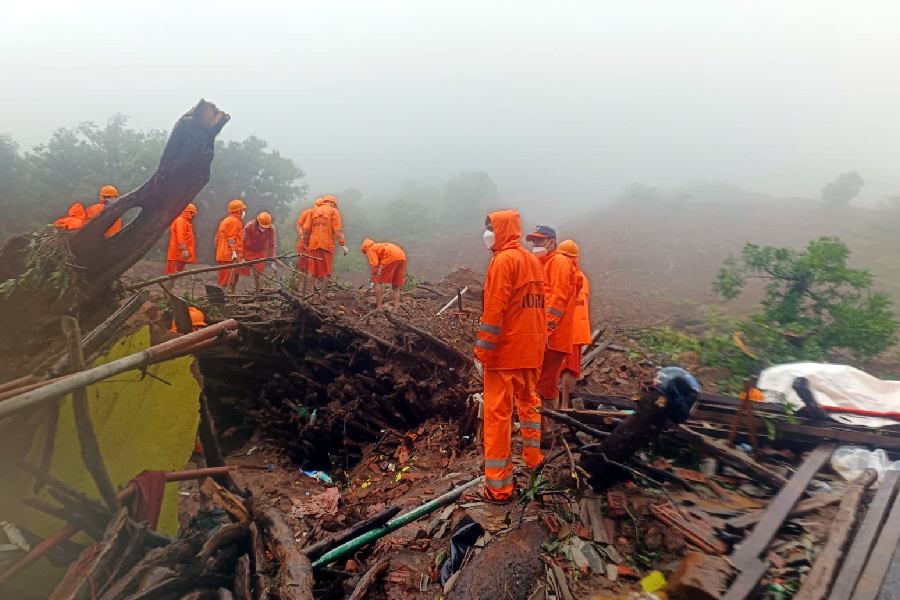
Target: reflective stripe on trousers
[502,388]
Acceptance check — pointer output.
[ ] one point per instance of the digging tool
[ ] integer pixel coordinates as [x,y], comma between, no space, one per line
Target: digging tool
[395,524]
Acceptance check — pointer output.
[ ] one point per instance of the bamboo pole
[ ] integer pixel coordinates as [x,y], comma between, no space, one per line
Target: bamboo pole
[155,280]
[87,437]
[65,385]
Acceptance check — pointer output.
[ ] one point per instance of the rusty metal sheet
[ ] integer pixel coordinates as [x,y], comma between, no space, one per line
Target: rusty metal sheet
[869,584]
[858,554]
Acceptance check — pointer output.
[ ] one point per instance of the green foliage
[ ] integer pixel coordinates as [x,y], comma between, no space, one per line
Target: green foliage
[38,186]
[48,265]
[814,303]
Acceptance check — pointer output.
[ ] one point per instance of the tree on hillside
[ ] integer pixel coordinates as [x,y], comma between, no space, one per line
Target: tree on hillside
[640,194]
[10,180]
[838,193]
[467,197]
[814,302]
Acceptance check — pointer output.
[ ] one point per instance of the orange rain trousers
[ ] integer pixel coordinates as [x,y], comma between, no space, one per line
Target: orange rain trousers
[572,363]
[548,382]
[224,275]
[322,266]
[174,266]
[502,389]
[392,273]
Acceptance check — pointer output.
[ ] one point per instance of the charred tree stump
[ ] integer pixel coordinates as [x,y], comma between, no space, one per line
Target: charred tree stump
[632,434]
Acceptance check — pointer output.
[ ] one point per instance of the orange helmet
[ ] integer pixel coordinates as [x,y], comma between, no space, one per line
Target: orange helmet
[264,220]
[568,248]
[330,200]
[198,319]
[236,205]
[367,243]
[318,202]
[108,191]
[190,208]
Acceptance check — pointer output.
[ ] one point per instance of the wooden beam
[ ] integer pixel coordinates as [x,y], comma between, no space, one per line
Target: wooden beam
[858,554]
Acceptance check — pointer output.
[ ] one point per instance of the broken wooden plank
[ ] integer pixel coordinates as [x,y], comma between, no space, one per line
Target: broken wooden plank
[804,507]
[818,580]
[747,556]
[294,578]
[592,509]
[869,584]
[858,554]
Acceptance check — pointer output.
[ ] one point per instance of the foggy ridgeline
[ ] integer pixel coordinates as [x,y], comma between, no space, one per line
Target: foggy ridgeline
[646,250]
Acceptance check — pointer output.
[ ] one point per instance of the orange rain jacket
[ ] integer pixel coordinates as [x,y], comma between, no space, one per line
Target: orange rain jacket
[181,237]
[582,333]
[74,219]
[302,228]
[561,286]
[325,225]
[513,330]
[95,209]
[230,236]
[383,253]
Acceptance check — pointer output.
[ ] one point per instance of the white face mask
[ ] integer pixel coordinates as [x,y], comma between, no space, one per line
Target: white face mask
[539,250]
[489,239]
[243,213]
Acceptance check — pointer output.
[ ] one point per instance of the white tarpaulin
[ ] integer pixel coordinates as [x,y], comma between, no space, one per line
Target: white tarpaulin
[847,394]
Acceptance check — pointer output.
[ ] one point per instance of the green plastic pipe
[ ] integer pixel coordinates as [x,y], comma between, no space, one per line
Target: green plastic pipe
[394,524]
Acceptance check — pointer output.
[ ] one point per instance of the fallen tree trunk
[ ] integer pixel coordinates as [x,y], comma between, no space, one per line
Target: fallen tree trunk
[89,262]
[294,579]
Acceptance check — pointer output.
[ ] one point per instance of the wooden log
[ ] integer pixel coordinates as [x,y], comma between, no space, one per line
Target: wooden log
[182,584]
[733,458]
[89,571]
[316,550]
[242,579]
[221,537]
[818,581]
[629,436]
[87,437]
[212,452]
[83,522]
[369,579]
[174,554]
[294,578]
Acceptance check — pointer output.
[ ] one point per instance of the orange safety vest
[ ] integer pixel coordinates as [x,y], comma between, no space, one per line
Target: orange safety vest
[325,225]
[561,286]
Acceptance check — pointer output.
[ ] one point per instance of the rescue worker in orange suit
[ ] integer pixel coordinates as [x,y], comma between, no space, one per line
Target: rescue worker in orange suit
[182,245]
[107,194]
[259,242]
[561,285]
[509,350]
[74,218]
[387,262]
[581,335]
[230,244]
[304,222]
[325,226]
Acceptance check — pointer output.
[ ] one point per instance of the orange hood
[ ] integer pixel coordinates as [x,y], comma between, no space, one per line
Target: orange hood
[507,229]
[77,211]
[367,243]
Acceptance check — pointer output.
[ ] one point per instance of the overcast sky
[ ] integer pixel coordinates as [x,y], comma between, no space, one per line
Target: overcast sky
[562,103]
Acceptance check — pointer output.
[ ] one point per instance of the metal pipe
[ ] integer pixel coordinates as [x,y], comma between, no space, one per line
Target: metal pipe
[65,385]
[452,300]
[394,524]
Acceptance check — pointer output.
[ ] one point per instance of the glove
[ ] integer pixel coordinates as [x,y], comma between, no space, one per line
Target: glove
[344,248]
[479,367]
[185,254]
[274,267]
[234,255]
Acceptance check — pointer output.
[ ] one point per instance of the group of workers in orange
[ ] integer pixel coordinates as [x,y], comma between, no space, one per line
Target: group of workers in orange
[78,216]
[534,323]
